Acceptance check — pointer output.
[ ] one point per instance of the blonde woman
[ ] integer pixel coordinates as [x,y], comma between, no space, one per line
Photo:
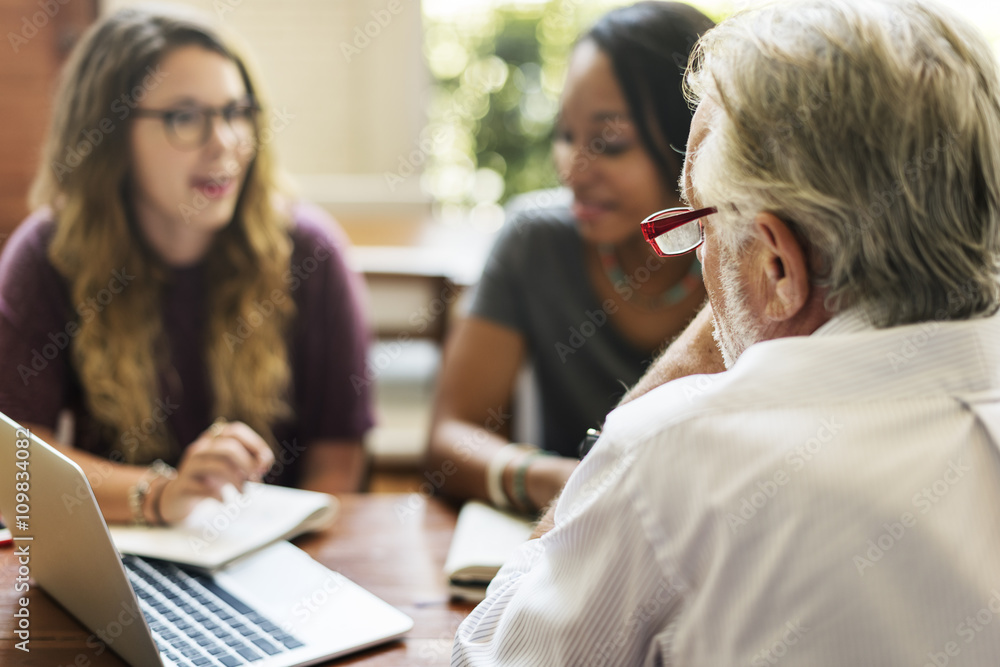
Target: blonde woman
[167,294]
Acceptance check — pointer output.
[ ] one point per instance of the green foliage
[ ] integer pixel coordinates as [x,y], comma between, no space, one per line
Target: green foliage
[497,72]
[497,77]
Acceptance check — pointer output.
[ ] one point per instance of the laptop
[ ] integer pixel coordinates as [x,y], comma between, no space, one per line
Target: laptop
[275,608]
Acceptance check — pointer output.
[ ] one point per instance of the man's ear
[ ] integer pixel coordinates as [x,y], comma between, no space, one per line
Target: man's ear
[784,269]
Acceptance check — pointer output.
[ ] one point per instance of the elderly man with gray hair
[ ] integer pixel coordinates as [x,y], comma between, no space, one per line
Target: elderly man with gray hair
[833,498]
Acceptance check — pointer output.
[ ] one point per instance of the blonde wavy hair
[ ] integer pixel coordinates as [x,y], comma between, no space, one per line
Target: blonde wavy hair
[872,127]
[120,351]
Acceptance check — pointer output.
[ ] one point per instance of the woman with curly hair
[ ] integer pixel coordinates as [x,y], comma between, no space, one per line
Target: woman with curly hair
[168,293]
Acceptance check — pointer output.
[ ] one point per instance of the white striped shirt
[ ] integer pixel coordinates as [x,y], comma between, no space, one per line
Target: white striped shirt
[830,500]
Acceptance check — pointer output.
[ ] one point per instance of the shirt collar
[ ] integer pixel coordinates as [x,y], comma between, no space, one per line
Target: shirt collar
[846,322]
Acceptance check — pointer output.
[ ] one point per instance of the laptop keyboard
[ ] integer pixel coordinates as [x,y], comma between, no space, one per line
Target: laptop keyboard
[198,624]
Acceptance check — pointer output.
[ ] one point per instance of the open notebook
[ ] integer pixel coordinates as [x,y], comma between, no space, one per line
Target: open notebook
[217,533]
[484,539]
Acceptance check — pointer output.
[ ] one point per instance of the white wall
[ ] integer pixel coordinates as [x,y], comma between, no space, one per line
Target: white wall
[356,101]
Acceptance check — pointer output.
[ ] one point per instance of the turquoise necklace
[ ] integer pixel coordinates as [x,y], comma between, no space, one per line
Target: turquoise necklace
[681,290]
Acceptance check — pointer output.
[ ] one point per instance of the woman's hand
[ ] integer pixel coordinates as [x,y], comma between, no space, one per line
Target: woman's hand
[226,453]
[471,416]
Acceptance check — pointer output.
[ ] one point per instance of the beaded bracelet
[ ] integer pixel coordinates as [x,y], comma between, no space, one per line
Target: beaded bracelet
[137,494]
[519,487]
[155,502]
[494,474]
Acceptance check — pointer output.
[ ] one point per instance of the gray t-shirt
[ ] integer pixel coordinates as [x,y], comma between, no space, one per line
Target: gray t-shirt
[535,281]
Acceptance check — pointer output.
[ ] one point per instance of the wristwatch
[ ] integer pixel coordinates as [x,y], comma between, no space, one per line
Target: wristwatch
[589,441]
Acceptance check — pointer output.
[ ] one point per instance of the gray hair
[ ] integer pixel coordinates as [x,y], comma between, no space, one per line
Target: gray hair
[872,128]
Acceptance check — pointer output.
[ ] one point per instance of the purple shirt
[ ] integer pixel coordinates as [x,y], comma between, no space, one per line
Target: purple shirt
[328,343]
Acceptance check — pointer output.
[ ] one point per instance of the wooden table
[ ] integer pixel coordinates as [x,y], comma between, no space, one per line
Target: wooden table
[394,545]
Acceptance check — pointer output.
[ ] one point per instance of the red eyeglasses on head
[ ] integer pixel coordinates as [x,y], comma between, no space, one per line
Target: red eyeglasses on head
[676,231]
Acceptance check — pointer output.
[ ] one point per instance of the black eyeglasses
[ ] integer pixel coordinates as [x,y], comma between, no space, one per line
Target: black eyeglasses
[676,231]
[190,127]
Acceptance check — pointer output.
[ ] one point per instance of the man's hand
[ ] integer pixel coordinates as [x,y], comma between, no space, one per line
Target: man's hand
[547,522]
[693,352]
